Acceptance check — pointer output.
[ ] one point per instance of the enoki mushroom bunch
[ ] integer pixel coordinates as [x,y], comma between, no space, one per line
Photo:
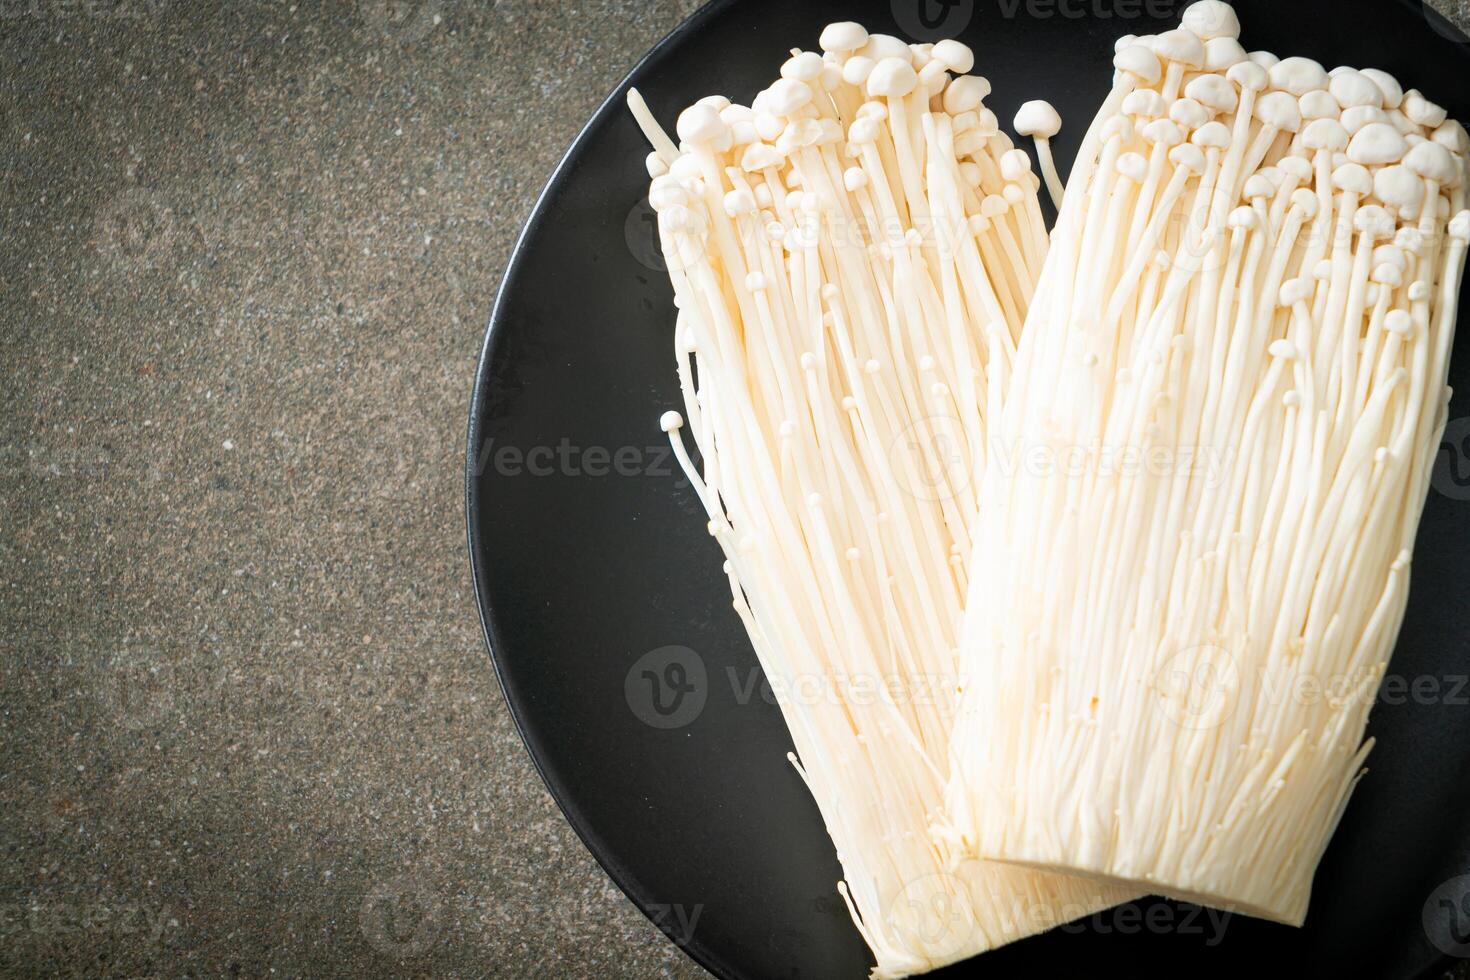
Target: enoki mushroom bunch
[1223,417]
[852,257]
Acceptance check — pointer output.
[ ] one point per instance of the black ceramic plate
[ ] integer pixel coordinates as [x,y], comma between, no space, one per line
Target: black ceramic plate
[594,572]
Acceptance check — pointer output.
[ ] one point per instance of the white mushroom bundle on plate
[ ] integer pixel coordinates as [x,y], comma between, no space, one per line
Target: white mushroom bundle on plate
[853,256]
[1225,408]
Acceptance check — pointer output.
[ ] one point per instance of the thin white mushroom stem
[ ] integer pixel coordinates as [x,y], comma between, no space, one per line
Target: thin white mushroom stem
[1257,263]
[852,257]
[1041,121]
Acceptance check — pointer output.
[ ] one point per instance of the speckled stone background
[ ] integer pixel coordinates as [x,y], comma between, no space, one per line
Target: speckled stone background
[248,253]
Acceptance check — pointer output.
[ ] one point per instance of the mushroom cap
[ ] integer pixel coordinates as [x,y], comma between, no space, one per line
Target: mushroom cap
[1375,221]
[1362,115]
[1039,119]
[1354,179]
[1223,52]
[893,78]
[701,124]
[1133,166]
[1299,168]
[1299,76]
[1319,105]
[862,132]
[1014,165]
[1144,102]
[1265,59]
[857,69]
[803,67]
[1393,92]
[1280,110]
[1460,227]
[1434,162]
[1244,217]
[787,96]
[966,94]
[1213,136]
[1306,202]
[1403,123]
[1188,157]
[882,46]
[843,36]
[1422,111]
[1182,46]
[1326,134]
[1377,143]
[955,56]
[1352,88]
[1249,76]
[1189,113]
[1453,137]
[1295,291]
[1164,131]
[1210,19]
[1401,188]
[1140,62]
[1213,91]
[1258,186]
[1125,41]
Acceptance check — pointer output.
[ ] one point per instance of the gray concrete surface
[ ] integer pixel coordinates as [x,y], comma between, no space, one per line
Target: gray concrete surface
[248,725]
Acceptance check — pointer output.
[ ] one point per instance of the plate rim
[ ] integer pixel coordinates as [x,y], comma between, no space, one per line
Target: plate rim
[474,497]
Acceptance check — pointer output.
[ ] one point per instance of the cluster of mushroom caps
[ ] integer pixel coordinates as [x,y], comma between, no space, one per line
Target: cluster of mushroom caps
[1289,137]
[864,110]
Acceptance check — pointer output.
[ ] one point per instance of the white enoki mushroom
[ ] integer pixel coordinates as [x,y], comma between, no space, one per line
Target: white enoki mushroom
[1041,120]
[1223,415]
[852,257]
